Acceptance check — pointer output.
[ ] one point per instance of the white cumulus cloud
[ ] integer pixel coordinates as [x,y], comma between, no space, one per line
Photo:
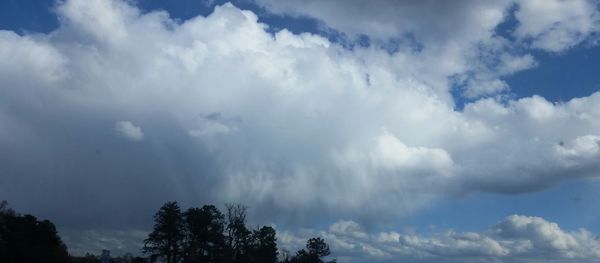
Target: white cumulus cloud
[129,130]
[515,239]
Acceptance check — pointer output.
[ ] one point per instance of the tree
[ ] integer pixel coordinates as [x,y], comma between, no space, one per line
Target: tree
[166,239]
[204,241]
[316,250]
[238,236]
[26,239]
[264,249]
[318,247]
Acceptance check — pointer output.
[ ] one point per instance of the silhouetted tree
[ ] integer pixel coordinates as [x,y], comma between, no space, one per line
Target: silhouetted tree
[316,250]
[205,235]
[238,235]
[264,247]
[25,239]
[204,241]
[166,239]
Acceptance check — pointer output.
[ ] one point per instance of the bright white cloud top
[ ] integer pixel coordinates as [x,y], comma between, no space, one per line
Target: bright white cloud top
[282,121]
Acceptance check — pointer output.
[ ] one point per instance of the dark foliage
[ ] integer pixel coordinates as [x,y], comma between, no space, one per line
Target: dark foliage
[264,246]
[316,250]
[26,239]
[204,240]
[238,236]
[165,242]
[206,235]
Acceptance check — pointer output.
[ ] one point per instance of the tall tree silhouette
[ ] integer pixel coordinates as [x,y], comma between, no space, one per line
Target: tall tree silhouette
[165,241]
[26,239]
[204,241]
[264,247]
[238,235]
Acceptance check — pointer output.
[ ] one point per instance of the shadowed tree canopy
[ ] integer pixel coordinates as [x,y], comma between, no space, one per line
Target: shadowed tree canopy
[26,239]
[265,245]
[315,252]
[238,235]
[207,235]
[165,241]
[204,240]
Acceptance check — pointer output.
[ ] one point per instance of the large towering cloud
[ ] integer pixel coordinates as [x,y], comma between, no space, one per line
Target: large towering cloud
[217,109]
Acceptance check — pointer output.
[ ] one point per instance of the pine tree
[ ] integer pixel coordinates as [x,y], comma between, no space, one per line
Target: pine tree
[264,249]
[204,241]
[166,239]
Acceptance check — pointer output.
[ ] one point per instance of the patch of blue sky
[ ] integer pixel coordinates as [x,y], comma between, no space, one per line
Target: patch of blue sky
[560,77]
[23,16]
[573,204]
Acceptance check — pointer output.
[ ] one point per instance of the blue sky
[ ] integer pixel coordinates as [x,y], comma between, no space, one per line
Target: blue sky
[354,121]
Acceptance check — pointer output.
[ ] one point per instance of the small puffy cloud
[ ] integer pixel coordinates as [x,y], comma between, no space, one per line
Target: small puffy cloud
[212,124]
[539,232]
[129,131]
[391,153]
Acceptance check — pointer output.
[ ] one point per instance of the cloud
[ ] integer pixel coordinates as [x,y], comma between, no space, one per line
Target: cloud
[119,242]
[449,35]
[34,56]
[516,238]
[129,131]
[212,124]
[462,37]
[234,113]
[557,25]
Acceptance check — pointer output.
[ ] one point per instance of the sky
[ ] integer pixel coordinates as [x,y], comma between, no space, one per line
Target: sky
[400,131]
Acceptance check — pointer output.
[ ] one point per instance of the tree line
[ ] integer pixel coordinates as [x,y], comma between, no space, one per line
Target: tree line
[205,234]
[24,238]
[199,234]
